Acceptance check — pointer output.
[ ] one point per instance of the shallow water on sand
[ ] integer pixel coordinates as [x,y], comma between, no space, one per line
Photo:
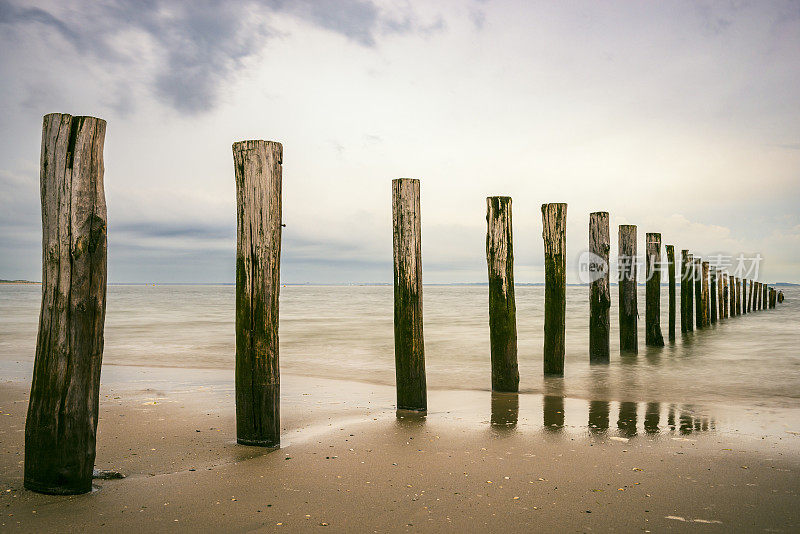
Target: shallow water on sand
[346,332]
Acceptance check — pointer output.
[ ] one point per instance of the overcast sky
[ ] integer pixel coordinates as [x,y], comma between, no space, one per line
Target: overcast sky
[680,117]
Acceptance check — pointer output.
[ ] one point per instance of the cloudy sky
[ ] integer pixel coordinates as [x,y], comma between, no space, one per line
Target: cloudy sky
[680,117]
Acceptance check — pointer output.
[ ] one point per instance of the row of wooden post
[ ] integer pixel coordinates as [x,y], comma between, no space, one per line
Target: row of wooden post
[61,424]
[700,282]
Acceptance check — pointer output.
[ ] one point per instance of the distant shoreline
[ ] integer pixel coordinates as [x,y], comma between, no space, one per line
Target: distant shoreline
[19,282]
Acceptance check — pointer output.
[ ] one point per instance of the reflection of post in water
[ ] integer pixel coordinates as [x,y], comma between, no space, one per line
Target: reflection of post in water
[598,416]
[553,411]
[410,419]
[686,423]
[652,416]
[505,409]
[627,418]
[671,417]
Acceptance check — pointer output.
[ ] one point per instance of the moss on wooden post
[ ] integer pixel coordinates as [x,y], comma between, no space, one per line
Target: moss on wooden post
[599,291]
[628,311]
[502,308]
[61,426]
[554,233]
[652,310]
[257,166]
[409,344]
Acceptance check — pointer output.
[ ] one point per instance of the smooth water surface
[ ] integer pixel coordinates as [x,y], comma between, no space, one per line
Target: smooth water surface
[346,332]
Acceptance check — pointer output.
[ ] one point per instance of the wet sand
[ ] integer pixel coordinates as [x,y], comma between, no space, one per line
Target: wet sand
[349,462]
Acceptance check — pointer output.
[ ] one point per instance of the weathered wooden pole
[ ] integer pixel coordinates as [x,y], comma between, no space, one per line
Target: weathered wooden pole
[720,294]
[690,292]
[726,295]
[739,295]
[652,304]
[779,297]
[686,300]
[743,288]
[409,345]
[257,166]
[61,426]
[733,296]
[760,295]
[502,307]
[554,233]
[698,292]
[744,296]
[756,295]
[628,311]
[713,297]
[705,294]
[671,276]
[766,296]
[750,297]
[600,291]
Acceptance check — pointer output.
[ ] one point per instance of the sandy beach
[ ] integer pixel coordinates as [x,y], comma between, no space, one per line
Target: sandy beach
[350,462]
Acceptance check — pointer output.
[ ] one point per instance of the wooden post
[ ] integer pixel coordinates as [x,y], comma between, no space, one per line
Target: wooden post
[257,166]
[705,294]
[61,426]
[652,305]
[600,291]
[713,296]
[628,312]
[758,296]
[744,296]
[765,293]
[409,344]
[554,233]
[686,300]
[739,295]
[726,295]
[502,308]
[690,292]
[698,292]
[720,294]
[671,275]
[750,298]
[733,296]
